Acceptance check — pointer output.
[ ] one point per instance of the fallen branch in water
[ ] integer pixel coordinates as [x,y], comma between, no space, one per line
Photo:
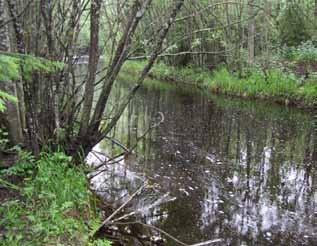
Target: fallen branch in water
[209,242]
[116,142]
[108,220]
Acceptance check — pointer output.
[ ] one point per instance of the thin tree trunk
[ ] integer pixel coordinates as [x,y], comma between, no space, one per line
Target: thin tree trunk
[4,37]
[87,145]
[119,59]
[251,33]
[93,63]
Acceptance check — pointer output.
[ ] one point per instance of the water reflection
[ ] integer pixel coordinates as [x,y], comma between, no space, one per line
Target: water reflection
[220,168]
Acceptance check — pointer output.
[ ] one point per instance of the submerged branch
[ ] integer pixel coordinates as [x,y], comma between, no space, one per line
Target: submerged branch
[108,220]
[209,242]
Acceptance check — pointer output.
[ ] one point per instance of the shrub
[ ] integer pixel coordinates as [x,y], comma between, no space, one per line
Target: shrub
[306,51]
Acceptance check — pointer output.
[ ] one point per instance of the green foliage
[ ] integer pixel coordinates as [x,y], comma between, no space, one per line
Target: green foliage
[188,75]
[24,168]
[274,84]
[293,26]
[16,66]
[9,68]
[55,208]
[306,51]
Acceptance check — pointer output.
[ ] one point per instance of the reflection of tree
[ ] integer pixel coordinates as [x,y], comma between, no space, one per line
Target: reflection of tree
[244,173]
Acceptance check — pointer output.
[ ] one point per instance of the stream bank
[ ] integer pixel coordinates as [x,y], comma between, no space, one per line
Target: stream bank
[272,85]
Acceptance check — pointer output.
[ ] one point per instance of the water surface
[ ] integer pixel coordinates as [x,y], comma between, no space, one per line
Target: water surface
[239,171]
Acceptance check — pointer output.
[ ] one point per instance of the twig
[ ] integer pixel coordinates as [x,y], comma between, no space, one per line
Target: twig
[116,142]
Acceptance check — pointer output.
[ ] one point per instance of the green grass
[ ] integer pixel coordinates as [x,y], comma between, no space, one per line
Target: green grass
[278,86]
[275,86]
[163,72]
[55,206]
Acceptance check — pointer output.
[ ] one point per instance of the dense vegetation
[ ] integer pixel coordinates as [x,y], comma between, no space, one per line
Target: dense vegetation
[52,206]
[274,85]
[249,48]
[255,49]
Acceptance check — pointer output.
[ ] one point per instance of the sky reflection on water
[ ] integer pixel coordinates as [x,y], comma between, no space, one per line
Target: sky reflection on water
[241,171]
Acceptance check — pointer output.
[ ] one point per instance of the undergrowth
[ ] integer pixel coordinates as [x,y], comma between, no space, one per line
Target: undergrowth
[275,85]
[305,52]
[55,205]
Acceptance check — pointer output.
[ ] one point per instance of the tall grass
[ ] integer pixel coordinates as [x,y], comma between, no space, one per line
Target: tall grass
[276,85]
[273,85]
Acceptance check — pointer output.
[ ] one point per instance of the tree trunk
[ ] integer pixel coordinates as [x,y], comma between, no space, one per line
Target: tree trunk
[92,66]
[12,114]
[4,34]
[119,58]
[251,33]
[28,87]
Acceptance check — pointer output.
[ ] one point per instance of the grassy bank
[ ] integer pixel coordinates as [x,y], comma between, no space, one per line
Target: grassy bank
[275,85]
[50,205]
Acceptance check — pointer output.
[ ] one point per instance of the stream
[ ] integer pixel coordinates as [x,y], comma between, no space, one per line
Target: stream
[234,171]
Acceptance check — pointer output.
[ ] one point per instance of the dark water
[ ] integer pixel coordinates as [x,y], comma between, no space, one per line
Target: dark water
[238,171]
